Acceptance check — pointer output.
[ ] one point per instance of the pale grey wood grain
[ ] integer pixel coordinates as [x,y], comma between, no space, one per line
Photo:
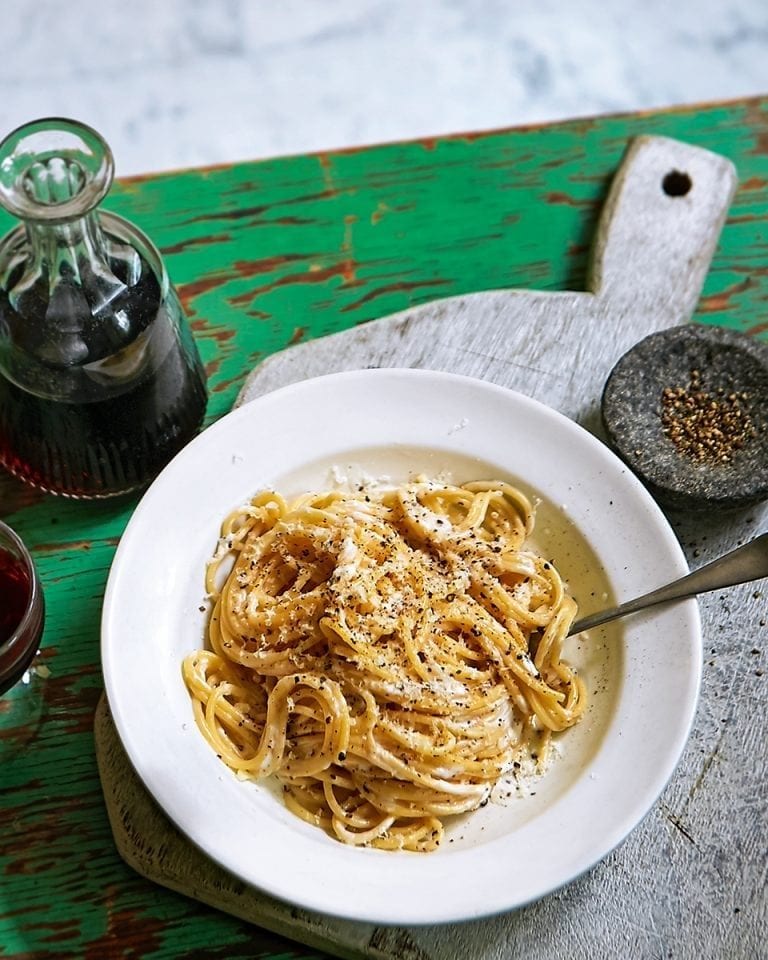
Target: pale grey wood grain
[690,881]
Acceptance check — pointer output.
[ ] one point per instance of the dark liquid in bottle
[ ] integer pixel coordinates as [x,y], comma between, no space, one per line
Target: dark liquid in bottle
[14,593]
[111,445]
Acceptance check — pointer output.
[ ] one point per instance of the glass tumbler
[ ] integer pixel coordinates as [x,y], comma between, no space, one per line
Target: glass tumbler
[22,609]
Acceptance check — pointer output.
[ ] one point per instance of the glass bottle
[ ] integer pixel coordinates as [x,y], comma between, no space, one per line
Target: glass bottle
[100,380]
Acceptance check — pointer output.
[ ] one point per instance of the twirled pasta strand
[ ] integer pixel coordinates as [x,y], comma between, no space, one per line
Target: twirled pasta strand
[389,655]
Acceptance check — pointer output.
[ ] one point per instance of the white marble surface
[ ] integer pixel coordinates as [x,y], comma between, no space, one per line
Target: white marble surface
[176,83]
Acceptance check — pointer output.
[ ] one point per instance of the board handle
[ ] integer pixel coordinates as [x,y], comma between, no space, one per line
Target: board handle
[660,225]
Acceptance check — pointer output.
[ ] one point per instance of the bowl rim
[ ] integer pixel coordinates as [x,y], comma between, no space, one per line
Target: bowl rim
[413,911]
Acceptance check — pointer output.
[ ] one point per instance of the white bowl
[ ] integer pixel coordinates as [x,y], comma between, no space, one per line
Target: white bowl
[595,520]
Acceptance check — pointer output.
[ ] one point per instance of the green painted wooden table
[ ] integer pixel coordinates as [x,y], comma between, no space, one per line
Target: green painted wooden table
[264,255]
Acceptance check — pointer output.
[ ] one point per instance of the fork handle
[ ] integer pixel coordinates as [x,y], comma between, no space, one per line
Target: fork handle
[749,562]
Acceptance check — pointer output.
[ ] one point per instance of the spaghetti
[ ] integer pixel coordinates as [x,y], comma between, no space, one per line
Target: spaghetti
[388,655]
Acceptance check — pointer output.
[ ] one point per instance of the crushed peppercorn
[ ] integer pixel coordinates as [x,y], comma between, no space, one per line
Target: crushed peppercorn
[706,427]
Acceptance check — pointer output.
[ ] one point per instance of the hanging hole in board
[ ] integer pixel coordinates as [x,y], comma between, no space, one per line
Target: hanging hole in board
[676,183]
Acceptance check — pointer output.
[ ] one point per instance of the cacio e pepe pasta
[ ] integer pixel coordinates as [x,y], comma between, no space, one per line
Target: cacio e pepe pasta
[388,654]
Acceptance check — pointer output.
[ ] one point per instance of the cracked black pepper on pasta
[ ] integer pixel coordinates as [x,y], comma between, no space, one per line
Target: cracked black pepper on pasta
[388,655]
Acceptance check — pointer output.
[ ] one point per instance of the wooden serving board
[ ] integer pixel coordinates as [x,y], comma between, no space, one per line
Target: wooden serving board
[650,257]
[649,260]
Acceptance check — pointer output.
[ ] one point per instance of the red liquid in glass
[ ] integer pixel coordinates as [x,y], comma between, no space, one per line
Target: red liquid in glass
[14,593]
[17,589]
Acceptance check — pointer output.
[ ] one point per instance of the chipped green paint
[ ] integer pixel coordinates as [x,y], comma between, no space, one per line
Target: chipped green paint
[266,254]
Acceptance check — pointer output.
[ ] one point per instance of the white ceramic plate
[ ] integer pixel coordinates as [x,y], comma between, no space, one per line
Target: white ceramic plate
[596,522]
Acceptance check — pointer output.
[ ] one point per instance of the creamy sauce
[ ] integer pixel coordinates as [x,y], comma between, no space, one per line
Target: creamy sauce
[597,656]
